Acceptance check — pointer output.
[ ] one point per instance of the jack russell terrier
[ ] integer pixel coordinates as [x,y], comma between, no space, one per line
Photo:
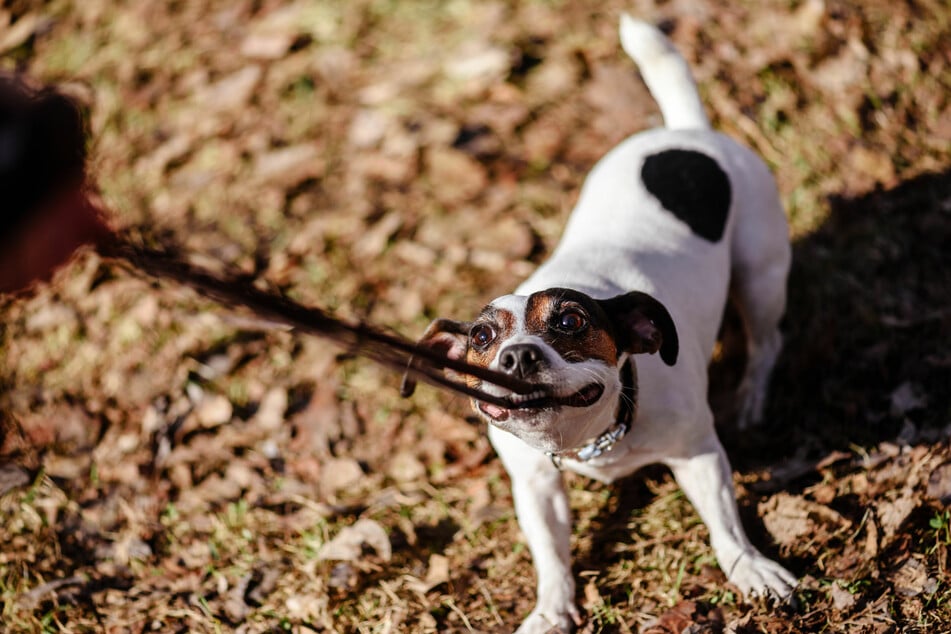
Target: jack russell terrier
[667,224]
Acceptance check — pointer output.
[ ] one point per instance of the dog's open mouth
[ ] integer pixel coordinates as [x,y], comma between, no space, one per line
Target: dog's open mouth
[542,399]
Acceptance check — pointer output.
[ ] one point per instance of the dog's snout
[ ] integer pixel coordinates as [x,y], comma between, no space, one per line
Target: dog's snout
[521,360]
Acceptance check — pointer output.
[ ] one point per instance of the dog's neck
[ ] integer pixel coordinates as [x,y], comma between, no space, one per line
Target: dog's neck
[626,412]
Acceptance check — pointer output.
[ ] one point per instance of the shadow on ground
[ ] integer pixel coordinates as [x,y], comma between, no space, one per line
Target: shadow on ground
[868,330]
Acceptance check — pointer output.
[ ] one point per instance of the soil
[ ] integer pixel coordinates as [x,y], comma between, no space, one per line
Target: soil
[169,464]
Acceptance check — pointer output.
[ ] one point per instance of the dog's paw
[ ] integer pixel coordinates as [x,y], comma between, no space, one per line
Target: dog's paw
[548,621]
[755,575]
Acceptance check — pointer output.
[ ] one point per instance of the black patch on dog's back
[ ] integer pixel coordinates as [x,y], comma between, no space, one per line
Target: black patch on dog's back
[693,187]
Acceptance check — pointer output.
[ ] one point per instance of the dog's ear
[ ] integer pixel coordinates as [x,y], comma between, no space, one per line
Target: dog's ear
[642,324]
[443,335]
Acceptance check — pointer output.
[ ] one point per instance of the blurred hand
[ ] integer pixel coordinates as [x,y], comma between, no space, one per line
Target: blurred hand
[39,244]
[45,213]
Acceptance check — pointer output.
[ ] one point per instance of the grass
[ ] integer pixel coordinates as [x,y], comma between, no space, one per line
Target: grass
[940,524]
[862,169]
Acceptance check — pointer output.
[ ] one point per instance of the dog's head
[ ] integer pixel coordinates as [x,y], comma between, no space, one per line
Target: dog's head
[562,339]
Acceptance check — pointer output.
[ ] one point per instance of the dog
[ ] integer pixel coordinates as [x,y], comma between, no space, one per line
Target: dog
[668,225]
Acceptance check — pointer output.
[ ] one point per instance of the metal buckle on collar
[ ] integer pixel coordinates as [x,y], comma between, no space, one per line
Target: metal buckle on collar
[593,449]
[603,442]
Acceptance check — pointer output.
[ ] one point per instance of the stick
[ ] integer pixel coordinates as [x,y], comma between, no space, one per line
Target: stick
[387,349]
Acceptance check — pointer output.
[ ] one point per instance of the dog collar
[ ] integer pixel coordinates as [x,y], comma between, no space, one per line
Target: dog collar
[626,409]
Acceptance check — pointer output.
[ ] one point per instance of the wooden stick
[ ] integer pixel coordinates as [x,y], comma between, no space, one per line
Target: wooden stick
[387,349]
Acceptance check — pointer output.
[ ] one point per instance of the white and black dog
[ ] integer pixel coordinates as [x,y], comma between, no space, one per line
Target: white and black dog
[668,224]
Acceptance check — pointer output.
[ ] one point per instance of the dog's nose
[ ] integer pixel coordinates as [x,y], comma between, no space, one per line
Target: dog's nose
[521,359]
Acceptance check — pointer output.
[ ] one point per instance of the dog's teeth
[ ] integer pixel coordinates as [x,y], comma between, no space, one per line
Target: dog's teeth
[518,399]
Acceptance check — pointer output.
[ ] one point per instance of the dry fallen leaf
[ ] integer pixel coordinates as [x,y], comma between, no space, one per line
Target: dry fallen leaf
[231,91]
[21,31]
[892,513]
[349,543]
[912,579]
[592,597]
[288,166]
[12,477]
[372,243]
[619,101]
[789,518]
[339,473]
[842,599]
[368,127]
[553,78]
[939,483]
[456,177]
[477,62]
[213,410]
[406,467]
[436,574]
[270,414]
[688,616]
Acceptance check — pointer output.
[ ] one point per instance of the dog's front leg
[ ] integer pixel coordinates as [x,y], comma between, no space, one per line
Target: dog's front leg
[707,480]
[544,516]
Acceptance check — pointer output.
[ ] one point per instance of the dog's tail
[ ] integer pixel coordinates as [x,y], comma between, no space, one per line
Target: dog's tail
[666,74]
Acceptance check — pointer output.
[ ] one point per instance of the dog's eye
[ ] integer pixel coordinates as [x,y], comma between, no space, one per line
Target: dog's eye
[482,335]
[572,320]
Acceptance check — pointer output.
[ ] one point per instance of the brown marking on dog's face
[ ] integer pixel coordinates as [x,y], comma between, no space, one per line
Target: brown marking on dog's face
[488,331]
[477,342]
[573,324]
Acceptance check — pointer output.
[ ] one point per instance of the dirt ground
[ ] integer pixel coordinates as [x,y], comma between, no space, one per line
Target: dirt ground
[169,465]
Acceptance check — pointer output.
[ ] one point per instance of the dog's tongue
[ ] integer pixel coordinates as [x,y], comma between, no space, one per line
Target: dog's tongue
[496,412]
